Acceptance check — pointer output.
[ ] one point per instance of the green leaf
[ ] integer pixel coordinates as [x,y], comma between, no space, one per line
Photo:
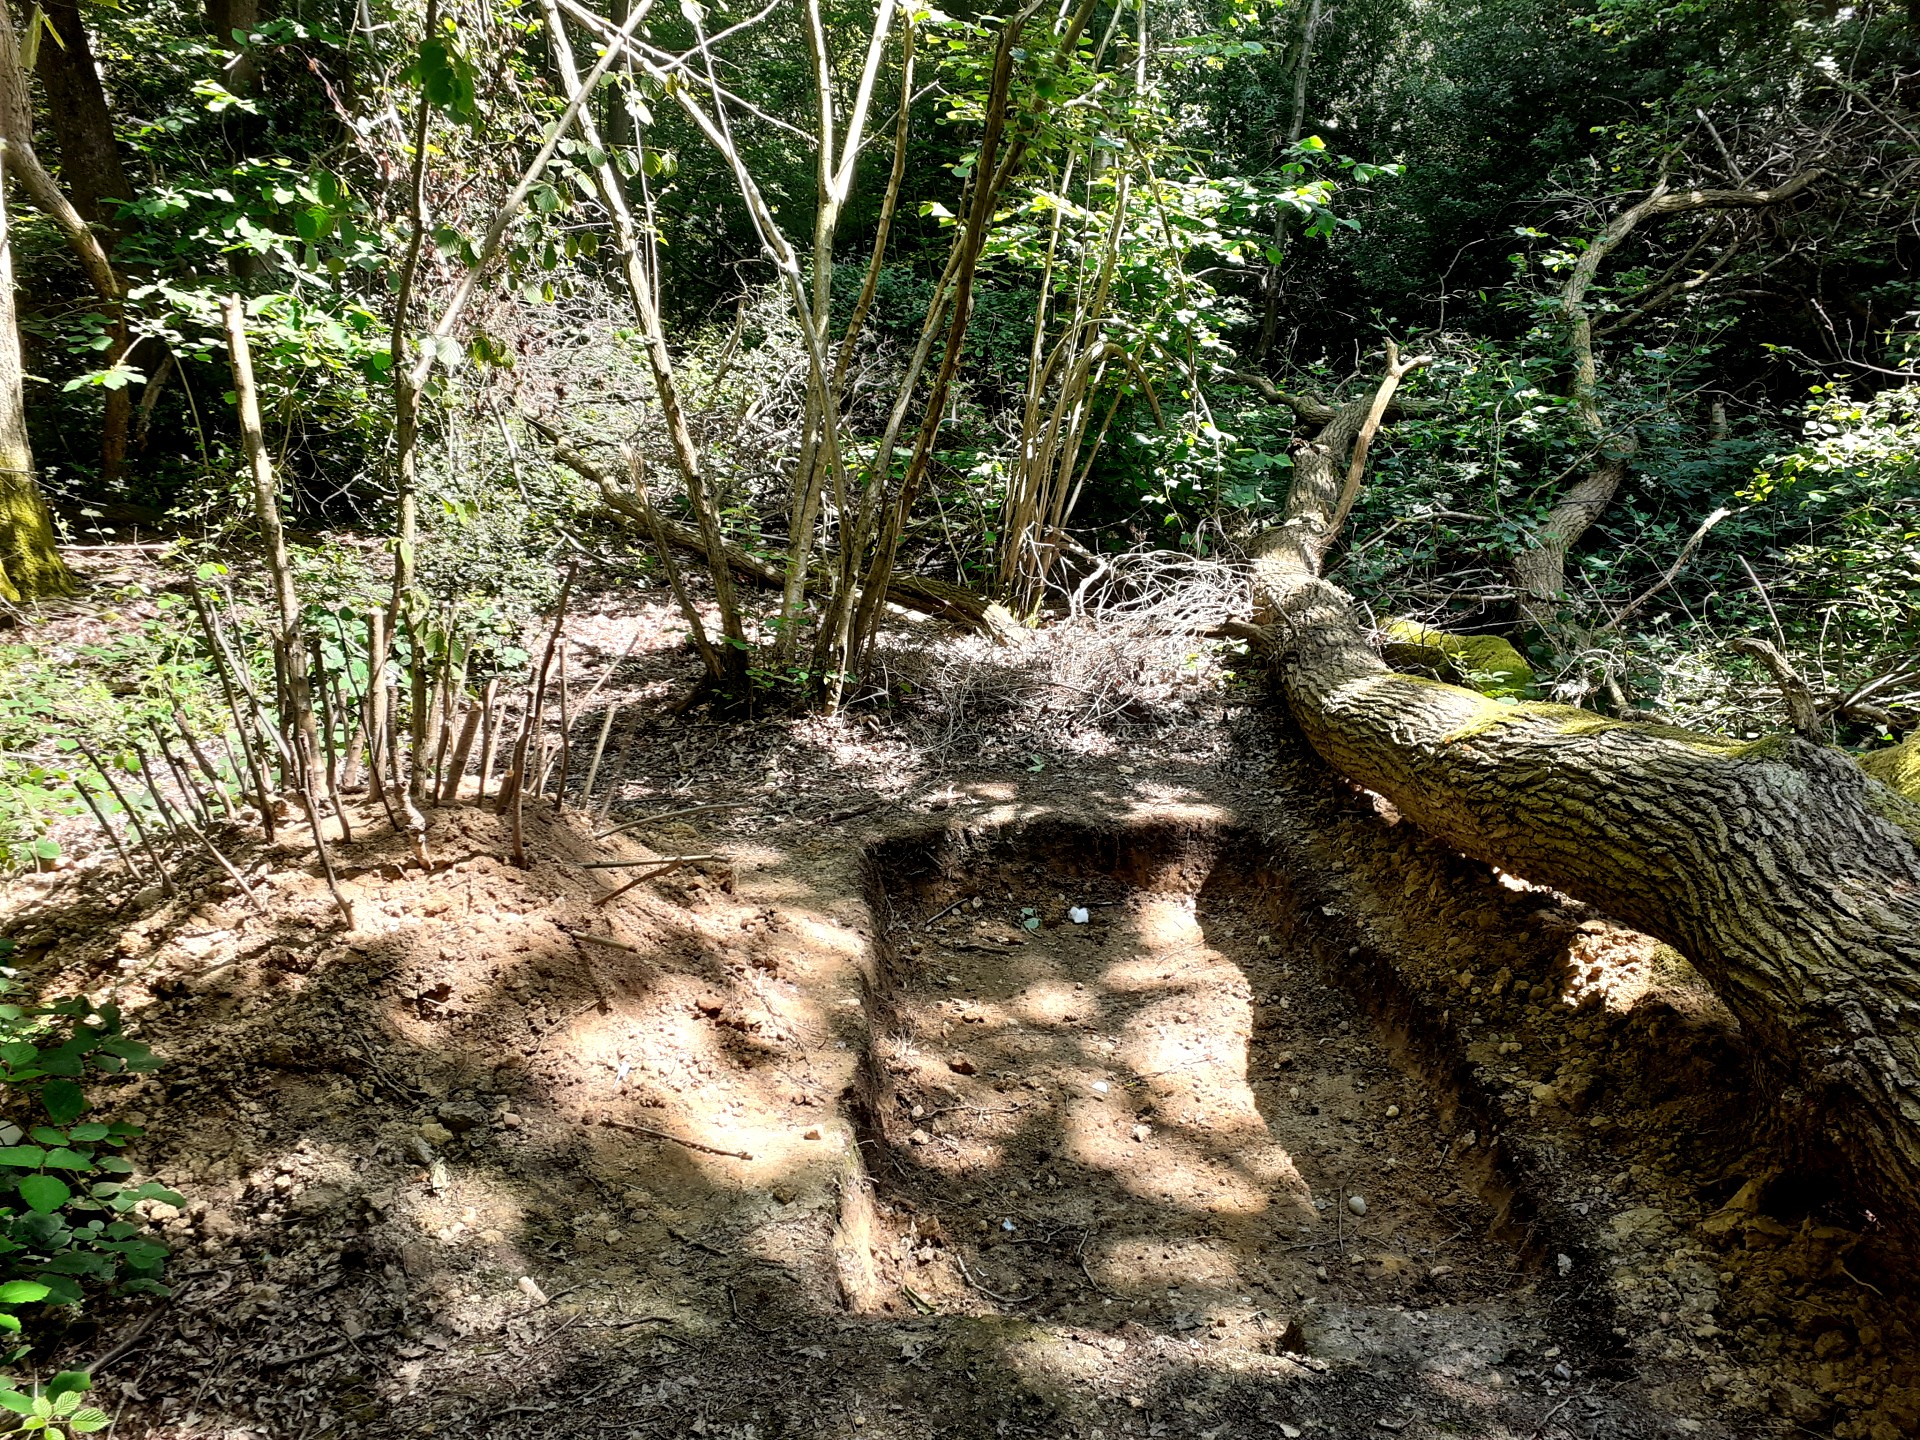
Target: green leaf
[22,1292]
[32,1156]
[12,1399]
[64,1100]
[89,1132]
[44,1194]
[83,1422]
[68,1159]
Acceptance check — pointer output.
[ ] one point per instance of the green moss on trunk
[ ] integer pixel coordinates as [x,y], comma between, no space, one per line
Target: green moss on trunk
[1480,662]
[30,566]
[1897,767]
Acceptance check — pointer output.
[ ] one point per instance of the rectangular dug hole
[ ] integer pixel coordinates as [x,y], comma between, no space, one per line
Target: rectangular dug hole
[1163,1105]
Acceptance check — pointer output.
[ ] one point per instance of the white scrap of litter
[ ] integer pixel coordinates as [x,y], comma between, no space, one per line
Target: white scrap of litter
[1007,1225]
[1099,1087]
[1079,914]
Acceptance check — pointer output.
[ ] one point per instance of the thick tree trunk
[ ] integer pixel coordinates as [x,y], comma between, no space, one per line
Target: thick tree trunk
[30,567]
[23,164]
[90,165]
[1786,873]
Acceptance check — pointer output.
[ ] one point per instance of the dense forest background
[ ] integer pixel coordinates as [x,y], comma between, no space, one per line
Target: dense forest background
[1646,425]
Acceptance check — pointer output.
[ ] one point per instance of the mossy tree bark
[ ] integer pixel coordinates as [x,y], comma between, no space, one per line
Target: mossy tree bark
[1783,870]
[30,567]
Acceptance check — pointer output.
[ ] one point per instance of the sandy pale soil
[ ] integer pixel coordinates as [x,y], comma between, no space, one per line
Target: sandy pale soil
[1158,1086]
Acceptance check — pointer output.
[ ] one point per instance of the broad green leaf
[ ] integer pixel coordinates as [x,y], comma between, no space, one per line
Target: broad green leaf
[44,1193]
[64,1100]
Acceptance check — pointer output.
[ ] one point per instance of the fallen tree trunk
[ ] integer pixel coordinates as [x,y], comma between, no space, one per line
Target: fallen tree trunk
[1782,869]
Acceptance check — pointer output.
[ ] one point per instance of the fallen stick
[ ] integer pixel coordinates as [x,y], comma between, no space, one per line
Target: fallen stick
[656,860]
[967,1275]
[593,766]
[672,815]
[489,734]
[665,868]
[607,940]
[703,1148]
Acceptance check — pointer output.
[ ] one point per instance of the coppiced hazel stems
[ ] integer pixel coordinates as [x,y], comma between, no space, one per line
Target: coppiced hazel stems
[133,820]
[566,731]
[696,627]
[376,705]
[514,788]
[489,733]
[726,663]
[266,504]
[113,836]
[222,663]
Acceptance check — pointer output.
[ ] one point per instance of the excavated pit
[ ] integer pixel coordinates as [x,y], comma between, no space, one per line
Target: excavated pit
[1170,1130]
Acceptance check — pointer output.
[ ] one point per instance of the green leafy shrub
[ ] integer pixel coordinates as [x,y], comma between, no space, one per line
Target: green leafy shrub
[64,1192]
[55,1410]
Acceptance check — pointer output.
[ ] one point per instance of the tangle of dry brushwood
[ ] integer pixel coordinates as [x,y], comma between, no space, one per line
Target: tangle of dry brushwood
[1125,638]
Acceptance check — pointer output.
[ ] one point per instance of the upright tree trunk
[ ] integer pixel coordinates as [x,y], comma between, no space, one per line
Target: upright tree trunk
[90,165]
[225,18]
[1787,874]
[16,127]
[302,734]
[1540,571]
[30,567]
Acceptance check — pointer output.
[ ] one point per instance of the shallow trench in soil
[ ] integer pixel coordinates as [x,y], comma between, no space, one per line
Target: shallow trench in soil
[1082,1105]
[1111,1096]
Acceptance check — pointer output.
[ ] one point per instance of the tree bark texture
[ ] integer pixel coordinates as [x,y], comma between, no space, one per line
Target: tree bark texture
[23,164]
[90,165]
[1782,869]
[30,567]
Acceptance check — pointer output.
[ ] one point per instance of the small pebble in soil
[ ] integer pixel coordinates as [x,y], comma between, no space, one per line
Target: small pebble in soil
[1393,1112]
[1357,1204]
[1141,1132]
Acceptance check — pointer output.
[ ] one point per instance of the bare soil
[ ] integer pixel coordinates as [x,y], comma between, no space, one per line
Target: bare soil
[1308,1128]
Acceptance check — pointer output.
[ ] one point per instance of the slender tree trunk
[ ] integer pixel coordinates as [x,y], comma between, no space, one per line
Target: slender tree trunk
[1270,277]
[1540,571]
[1787,874]
[224,17]
[30,567]
[303,737]
[728,661]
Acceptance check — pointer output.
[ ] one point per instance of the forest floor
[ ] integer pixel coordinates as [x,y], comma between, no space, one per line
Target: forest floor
[1003,1074]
